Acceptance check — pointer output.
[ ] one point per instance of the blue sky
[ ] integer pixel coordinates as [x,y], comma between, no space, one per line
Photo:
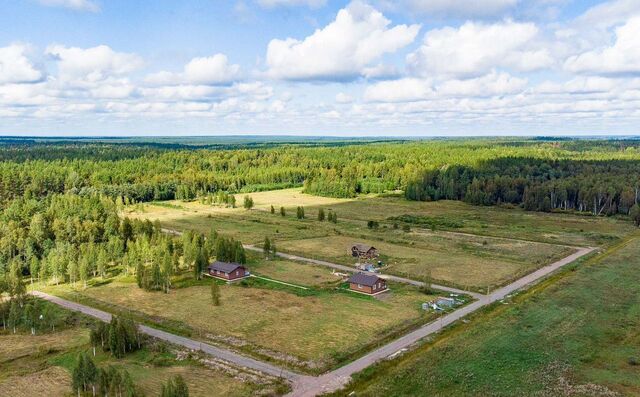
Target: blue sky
[319,67]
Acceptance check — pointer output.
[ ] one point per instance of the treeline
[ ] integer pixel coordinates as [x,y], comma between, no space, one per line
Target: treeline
[604,187]
[135,174]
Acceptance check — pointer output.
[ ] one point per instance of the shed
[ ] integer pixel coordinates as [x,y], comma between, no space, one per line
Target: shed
[361,250]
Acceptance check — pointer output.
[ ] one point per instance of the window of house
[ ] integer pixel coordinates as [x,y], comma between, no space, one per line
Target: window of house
[360,286]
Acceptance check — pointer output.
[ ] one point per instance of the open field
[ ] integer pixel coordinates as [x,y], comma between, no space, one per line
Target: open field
[314,329]
[291,272]
[460,267]
[576,334]
[455,243]
[41,364]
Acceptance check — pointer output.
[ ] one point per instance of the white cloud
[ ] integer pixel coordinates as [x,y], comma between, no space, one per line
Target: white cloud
[78,5]
[473,49]
[401,90]
[289,3]
[357,37]
[609,13]
[417,89]
[92,64]
[213,70]
[343,98]
[210,70]
[623,57]
[485,86]
[15,66]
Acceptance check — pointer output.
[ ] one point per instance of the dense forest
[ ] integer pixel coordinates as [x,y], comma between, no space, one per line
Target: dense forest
[60,200]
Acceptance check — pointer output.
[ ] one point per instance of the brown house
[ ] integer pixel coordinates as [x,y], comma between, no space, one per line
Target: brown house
[227,271]
[367,283]
[360,250]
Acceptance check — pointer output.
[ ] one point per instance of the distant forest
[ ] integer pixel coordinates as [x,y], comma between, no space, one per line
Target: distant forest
[597,176]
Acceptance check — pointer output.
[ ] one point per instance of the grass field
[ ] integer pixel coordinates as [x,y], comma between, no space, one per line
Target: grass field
[469,246]
[576,335]
[314,330]
[475,265]
[41,365]
[292,272]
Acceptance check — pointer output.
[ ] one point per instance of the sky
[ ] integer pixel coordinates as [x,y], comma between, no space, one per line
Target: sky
[319,67]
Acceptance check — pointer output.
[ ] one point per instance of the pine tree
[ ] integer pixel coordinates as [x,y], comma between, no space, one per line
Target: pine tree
[266,247]
[282,211]
[321,215]
[273,210]
[201,263]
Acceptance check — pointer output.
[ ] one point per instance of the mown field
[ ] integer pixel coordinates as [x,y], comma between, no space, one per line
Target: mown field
[41,364]
[310,329]
[575,335]
[454,243]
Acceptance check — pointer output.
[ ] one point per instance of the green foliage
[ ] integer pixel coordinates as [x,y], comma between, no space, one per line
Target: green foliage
[248,202]
[321,215]
[373,224]
[432,222]
[300,212]
[84,375]
[230,250]
[175,387]
[282,211]
[118,337]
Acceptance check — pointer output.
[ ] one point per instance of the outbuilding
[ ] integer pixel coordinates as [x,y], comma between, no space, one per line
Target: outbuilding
[367,283]
[228,271]
[360,250]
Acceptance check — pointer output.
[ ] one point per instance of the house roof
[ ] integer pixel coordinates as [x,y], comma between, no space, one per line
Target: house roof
[362,247]
[224,266]
[365,279]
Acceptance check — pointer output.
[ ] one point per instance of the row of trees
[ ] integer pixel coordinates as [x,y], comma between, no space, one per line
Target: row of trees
[605,187]
[118,337]
[88,379]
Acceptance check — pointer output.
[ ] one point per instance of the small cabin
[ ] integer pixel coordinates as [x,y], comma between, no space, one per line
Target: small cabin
[227,271]
[360,250]
[367,283]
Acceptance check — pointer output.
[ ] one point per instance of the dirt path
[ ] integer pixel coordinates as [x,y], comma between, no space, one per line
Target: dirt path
[337,379]
[226,355]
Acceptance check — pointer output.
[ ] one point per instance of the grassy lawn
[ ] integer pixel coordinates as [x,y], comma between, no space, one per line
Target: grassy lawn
[291,272]
[41,365]
[579,335]
[471,246]
[311,330]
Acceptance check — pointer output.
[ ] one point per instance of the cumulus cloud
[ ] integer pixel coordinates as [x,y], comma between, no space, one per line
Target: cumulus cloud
[15,66]
[78,5]
[213,70]
[359,36]
[621,58]
[93,63]
[417,89]
[343,98]
[289,3]
[475,48]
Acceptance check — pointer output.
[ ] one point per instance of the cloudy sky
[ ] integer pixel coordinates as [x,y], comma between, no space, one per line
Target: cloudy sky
[319,67]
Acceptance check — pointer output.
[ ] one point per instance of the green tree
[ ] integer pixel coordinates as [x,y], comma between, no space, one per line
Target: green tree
[201,263]
[248,202]
[282,211]
[321,215]
[273,210]
[300,212]
[266,247]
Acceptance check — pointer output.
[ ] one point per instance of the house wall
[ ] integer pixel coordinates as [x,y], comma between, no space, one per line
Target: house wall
[233,276]
[367,289]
